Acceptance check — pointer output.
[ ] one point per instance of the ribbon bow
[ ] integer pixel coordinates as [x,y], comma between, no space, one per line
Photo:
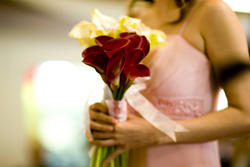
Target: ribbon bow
[149,112]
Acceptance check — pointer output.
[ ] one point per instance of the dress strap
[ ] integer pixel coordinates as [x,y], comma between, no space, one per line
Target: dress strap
[188,19]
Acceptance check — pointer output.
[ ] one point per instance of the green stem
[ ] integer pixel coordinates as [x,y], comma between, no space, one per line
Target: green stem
[93,158]
[104,154]
[112,162]
[120,160]
[120,93]
[117,93]
[109,152]
[124,159]
[98,157]
[117,162]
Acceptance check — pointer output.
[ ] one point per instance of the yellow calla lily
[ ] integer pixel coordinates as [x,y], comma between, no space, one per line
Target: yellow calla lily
[103,22]
[85,32]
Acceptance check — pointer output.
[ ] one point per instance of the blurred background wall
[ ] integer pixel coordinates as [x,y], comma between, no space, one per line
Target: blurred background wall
[33,32]
[44,86]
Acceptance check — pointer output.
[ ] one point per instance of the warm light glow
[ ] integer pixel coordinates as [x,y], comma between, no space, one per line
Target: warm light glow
[62,85]
[239,5]
[57,133]
[61,91]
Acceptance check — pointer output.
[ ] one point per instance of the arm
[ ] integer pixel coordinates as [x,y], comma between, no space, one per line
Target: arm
[226,47]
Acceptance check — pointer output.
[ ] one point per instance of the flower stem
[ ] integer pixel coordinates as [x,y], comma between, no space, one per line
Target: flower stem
[98,157]
[112,163]
[124,157]
[104,154]
[93,158]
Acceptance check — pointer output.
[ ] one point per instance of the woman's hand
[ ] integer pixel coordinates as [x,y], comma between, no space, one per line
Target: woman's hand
[133,133]
[100,120]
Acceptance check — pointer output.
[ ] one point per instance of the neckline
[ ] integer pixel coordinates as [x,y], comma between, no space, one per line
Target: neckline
[187,42]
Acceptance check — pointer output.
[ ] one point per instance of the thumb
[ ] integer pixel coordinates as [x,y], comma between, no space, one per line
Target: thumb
[88,135]
[132,116]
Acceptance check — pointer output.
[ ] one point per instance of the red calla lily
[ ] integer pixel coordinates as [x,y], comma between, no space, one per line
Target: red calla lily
[114,45]
[125,34]
[101,40]
[115,66]
[144,45]
[117,60]
[93,50]
[137,42]
[139,70]
[98,61]
[133,58]
[134,44]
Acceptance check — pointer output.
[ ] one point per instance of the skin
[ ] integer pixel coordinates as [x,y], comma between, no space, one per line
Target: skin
[224,42]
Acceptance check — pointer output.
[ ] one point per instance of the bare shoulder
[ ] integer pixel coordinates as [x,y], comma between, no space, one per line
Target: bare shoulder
[217,14]
[215,10]
[222,32]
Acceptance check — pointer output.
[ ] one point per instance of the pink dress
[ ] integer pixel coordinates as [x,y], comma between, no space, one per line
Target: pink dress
[182,86]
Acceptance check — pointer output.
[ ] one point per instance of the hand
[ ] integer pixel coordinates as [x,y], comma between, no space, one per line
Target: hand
[133,133]
[100,120]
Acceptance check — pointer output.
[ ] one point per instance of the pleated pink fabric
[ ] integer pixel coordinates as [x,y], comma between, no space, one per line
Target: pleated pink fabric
[182,86]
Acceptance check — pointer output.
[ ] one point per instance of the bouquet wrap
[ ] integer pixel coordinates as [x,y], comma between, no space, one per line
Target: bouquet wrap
[117,109]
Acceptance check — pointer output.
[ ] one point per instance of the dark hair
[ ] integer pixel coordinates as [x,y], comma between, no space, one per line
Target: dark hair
[182,4]
[150,1]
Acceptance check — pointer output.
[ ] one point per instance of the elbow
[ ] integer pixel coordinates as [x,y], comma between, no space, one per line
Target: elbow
[244,110]
[244,117]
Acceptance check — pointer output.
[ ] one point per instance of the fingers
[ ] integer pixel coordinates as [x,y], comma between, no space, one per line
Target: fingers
[108,142]
[101,117]
[111,156]
[101,127]
[99,107]
[101,135]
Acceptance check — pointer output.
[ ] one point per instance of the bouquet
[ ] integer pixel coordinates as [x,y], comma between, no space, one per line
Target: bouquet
[115,48]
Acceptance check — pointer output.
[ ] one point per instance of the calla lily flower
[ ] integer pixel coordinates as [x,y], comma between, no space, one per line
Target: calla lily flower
[102,25]
[117,60]
[133,69]
[137,41]
[95,57]
[101,40]
[114,45]
[133,58]
[138,70]
[114,68]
